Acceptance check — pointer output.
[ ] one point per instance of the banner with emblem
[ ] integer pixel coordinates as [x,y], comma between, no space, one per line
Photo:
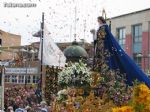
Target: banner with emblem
[52,55]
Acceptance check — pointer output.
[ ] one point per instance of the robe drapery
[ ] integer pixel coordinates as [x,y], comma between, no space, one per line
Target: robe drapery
[116,58]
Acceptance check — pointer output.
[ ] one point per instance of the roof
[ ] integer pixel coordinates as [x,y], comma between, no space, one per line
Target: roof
[18,36]
[75,51]
[148,9]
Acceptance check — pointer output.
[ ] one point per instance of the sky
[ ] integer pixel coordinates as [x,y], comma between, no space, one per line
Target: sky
[60,17]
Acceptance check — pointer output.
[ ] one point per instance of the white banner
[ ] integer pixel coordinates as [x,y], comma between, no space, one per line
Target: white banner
[21,70]
[52,55]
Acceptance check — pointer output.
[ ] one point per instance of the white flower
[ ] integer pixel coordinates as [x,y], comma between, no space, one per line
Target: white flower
[67,75]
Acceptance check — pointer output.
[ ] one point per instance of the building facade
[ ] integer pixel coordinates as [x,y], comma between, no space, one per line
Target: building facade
[8,40]
[26,74]
[133,34]
[29,60]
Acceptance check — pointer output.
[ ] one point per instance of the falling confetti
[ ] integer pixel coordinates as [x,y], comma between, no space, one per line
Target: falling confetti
[59,16]
[16,19]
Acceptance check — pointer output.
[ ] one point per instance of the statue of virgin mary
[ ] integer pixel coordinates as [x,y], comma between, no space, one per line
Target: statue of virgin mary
[109,54]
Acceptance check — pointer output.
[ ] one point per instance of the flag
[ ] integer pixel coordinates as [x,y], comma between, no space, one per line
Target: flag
[52,55]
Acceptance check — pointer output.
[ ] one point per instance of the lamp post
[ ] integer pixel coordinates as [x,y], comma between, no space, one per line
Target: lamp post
[148,61]
[27,61]
[24,51]
[147,64]
[139,55]
[32,52]
[93,31]
[41,35]
[144,57]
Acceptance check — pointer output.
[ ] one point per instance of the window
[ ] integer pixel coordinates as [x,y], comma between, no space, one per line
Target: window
[35,79]
[7,78]
[14,78]
[21,79]
[137,38]
[27,79]
[121,37]
[138,60]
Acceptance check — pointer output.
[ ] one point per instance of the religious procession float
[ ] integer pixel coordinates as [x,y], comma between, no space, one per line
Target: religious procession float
[113,84]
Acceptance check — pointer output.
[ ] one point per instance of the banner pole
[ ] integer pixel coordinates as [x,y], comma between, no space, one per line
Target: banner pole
[3,71]
[42,36]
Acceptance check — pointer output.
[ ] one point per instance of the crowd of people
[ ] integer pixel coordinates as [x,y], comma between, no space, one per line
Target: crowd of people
[24,99]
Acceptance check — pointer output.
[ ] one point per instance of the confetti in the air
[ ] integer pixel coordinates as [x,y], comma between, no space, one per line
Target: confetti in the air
[59,18]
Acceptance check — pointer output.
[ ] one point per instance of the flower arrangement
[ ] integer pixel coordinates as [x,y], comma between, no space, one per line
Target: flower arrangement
[123,109]
[141,98]
[96,78]
[90,103]
[113,84]
[62,95]
[75,75]
[140,101]
[141,94]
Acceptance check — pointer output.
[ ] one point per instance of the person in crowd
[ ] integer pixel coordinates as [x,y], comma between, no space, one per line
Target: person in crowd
[21,108]
[44,107]
[10,109]
[38,94]
[28,109]
[14,96]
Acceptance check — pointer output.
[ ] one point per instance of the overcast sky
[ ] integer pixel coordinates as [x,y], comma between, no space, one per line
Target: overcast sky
[60,16]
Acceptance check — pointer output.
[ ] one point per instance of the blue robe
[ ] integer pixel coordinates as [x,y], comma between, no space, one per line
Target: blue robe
[120,60]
